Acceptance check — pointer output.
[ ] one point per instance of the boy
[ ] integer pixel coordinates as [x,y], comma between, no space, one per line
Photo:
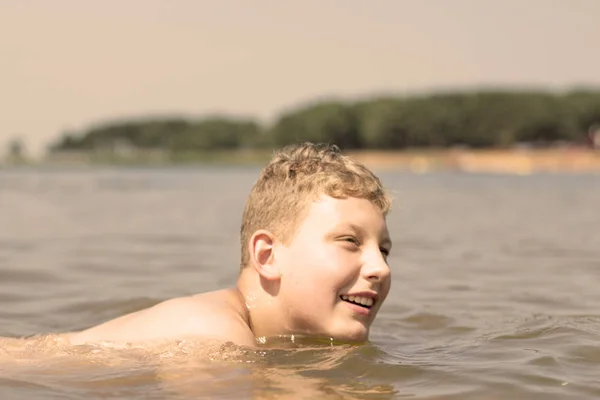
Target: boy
[314,244]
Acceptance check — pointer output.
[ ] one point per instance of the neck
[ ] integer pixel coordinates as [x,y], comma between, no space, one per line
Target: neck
[265,316]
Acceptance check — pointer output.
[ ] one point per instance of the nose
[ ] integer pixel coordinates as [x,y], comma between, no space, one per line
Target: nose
[376,268]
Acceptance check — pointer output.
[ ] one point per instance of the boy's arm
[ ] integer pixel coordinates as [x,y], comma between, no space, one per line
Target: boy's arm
[171,320]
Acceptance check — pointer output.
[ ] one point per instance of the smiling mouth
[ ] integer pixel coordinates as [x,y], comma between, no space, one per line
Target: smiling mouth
[365,302]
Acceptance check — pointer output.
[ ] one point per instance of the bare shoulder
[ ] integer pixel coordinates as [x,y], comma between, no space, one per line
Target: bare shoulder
[216,315]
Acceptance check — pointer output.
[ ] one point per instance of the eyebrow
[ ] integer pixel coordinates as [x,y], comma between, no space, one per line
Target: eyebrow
[386,240]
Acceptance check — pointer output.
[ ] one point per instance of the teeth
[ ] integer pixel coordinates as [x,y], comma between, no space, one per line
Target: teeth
[365,301]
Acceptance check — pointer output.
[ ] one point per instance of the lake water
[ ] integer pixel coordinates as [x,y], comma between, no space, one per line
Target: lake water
[495,295]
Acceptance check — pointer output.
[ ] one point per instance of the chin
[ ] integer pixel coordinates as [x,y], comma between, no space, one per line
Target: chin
[358,338]
[356,335]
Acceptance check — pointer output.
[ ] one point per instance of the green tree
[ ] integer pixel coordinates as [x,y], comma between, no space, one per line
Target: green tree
[331,122]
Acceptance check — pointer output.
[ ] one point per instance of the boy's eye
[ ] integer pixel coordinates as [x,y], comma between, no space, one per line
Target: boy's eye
[352,240]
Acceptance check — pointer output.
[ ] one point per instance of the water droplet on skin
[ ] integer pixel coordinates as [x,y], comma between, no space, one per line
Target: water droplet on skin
[261,340]
[250,301]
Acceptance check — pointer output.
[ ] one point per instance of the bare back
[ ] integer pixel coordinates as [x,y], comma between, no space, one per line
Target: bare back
[220,315]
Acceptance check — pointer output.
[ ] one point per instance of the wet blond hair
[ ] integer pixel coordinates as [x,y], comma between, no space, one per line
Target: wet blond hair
[297,175]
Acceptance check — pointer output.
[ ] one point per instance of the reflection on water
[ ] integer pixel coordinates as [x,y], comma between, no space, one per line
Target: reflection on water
[495,291]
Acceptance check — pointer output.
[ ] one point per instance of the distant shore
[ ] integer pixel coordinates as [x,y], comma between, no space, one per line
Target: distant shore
[506,161]
[514,161]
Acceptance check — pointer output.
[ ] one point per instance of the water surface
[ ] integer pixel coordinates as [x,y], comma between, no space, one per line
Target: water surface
[496,288]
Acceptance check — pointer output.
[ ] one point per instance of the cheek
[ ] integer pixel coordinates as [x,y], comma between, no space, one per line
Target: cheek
[321,267]
[337,257]
[313,256]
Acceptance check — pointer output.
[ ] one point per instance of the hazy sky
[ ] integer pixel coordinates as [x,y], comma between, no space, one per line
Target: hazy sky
[67,64]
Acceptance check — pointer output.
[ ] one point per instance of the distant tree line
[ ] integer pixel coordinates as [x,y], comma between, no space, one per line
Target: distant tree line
[471,119]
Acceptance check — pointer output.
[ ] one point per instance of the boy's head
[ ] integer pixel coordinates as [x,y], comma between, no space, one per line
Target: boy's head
[315,234]
[298,175]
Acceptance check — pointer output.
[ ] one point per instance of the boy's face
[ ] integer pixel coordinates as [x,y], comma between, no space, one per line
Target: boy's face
[336,259]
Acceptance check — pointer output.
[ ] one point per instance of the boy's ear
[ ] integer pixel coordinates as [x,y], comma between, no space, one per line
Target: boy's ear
[262,255]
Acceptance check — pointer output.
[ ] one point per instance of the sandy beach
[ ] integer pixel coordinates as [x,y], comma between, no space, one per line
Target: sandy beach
[517,161]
